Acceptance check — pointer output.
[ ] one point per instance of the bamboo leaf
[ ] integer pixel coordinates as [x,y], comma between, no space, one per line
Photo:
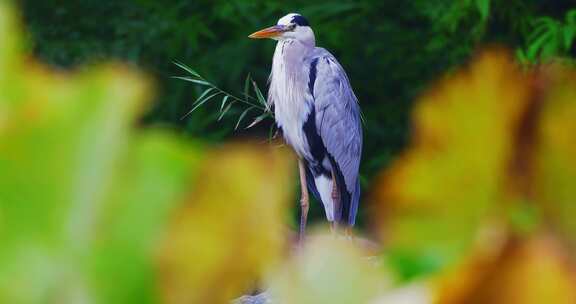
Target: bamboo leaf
[224,102]
[261,98]
[225,110]
[198,104]
[201,102]
[198,81]
[203,95]
[247,86]
[257,120]
[187,69]
[271,134]
[242,117]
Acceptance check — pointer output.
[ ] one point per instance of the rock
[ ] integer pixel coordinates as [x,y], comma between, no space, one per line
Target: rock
[262,298]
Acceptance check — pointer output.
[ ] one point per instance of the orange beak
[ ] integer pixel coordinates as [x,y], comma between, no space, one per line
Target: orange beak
[270,32]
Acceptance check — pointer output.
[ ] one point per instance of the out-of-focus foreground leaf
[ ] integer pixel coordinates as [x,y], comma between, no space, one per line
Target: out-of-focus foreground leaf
[481,204]
[328,270]
[530,271]
[87,198]
[231,231]
[556,162]
[83,198]
[441,193]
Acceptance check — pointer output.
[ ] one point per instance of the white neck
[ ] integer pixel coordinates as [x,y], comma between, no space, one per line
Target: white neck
[289,90]
[288,73]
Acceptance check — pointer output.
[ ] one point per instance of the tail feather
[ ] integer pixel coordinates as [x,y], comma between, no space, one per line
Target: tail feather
[312,183]
[354,204]
[321,188]
[324,186]
[345,212]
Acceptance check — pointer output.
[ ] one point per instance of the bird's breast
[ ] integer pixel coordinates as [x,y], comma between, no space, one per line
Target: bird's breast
[290,93]
[291,111]
[292,106]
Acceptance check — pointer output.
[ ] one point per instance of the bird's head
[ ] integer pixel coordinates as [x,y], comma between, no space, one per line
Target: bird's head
[292,26]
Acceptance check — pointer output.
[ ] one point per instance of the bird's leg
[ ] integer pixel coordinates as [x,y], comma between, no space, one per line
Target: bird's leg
[304,200]
[348,233]
[333,228]
[336,200]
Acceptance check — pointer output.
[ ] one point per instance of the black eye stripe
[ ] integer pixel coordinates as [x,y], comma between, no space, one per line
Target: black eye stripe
[299,20]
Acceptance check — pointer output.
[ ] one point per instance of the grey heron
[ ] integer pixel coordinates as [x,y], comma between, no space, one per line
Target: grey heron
[318,114]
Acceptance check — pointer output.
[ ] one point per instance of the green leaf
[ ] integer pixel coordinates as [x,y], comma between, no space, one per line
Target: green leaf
[242,117]
[261,98]
[483,7]
[224,99]
[521,56]
[225,110]
[257,120]
[247,86]
[198,81]
[569,37]
[187,69]
[200,103]
[271,133]
[202,95]
[537,45]
[67,227]
[158,169]
[205,100]
[571,17]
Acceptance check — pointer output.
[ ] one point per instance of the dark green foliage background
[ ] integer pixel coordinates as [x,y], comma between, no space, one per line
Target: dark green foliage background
[392,50]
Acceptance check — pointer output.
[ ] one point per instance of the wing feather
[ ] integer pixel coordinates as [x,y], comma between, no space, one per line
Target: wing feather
[338,124]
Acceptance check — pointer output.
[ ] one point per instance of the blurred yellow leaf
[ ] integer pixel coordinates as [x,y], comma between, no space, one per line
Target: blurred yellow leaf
[436,198]
[418,292]
[556,161]
[493,148]
[328,270]
[528,271]
[230,231]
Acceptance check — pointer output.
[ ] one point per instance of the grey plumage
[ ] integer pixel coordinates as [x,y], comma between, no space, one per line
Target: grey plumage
[318,113]
[337,117]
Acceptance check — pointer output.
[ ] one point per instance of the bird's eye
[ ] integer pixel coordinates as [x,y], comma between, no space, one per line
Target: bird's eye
[291,27]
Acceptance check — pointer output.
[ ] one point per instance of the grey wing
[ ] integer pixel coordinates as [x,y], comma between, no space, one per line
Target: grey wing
[338,123]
